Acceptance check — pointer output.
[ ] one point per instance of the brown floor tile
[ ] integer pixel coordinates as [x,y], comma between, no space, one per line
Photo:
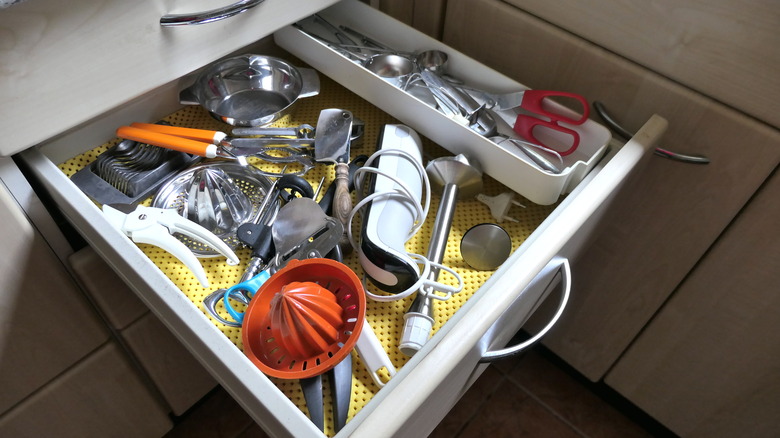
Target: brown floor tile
[506,365]
[253,431]
[529,396]
[469,404]
[216,416]
[510,412]
[571,400]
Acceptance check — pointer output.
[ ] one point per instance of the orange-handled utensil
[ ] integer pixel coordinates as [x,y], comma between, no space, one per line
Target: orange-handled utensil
[205,135]
[175,142]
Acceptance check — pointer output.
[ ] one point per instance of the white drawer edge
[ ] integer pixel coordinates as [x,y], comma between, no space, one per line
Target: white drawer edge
[256,393]
[424,374]
[459,337]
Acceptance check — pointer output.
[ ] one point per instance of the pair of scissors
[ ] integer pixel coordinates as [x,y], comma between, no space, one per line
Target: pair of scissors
[539,123]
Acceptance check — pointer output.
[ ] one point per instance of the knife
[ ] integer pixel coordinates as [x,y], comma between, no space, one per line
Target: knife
[334,129]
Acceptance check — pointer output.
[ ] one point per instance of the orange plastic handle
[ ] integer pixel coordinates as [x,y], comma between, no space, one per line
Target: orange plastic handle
[181,144]
[191,133]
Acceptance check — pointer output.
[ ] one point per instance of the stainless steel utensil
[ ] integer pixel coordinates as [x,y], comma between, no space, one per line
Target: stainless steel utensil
[250,90]
[215,201]
[473,114]
[341,386]
[332,146]
[302,230]
[393,68]
[532,151]
[129,172]
[178,191]
[456,177]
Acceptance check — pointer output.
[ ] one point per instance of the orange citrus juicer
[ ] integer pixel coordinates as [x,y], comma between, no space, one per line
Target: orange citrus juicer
[304,319]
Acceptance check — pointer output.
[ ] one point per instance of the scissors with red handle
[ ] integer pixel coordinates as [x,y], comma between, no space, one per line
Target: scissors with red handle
[539,113]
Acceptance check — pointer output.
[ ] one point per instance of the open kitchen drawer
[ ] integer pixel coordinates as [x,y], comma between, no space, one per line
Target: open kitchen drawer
[426,385]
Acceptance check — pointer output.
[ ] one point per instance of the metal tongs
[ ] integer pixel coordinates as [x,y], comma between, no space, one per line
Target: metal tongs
[276,145]
[155,226]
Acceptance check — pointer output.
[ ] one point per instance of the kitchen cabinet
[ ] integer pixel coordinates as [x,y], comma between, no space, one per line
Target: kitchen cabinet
[425,16]
[62,374]
[672,212]
[429,383]
[101,395]
[108,53]
[47,324]
[178,376]
[658,240]
[708,364]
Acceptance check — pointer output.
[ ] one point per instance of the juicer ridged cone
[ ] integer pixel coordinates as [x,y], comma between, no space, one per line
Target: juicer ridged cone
[305,319]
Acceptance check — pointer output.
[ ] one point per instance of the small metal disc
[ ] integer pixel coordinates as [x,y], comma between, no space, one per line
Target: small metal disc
[485,247]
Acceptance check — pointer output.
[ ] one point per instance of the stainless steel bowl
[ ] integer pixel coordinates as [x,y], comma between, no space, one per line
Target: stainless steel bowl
[251,90]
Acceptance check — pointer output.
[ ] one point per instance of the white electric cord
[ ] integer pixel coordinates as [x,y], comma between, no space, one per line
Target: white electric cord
[404,192]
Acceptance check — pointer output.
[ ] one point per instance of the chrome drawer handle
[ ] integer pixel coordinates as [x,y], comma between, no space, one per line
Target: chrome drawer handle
[565,274]
[601,110]
[208,16]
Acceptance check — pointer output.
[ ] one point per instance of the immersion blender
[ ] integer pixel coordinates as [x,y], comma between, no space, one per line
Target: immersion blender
[456,177]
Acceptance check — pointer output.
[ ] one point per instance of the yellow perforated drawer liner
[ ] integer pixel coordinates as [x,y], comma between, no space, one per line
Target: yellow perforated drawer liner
[385,318]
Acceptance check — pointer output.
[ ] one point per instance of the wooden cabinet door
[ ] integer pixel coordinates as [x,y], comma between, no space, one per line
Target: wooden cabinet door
[724,49]
[668,215]
[101,396]
[709,363]
[46,324]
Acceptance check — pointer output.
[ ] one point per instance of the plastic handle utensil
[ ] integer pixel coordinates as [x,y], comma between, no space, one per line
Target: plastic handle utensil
[167,141]
[524,126]
[205,135]
[533,100]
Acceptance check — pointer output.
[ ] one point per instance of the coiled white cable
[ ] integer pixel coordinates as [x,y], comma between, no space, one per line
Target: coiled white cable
[421,211]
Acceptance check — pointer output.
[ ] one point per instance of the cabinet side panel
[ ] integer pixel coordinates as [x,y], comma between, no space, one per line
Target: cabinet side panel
[427,16]
[100,396]
[709,363]
[722,48]
[47,324]
[668,214]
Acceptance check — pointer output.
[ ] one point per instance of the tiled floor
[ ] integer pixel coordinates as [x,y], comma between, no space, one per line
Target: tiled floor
[531,396]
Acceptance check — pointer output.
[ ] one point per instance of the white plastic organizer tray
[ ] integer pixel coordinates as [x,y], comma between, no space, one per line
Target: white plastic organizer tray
[503,162]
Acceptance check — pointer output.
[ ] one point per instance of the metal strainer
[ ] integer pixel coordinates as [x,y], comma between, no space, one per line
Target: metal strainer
[218,196]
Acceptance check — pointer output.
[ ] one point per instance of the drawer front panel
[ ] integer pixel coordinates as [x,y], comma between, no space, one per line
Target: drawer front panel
[722,49]
[443,374]
[47,323]
[64,63]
